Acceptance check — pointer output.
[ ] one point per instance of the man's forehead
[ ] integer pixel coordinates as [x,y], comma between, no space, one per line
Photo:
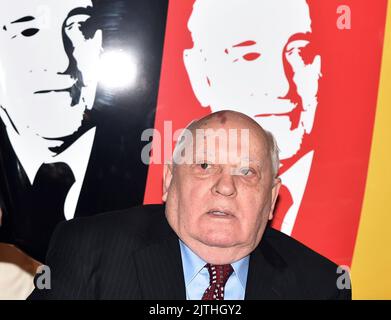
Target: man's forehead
[226,121]
[229,140]
[225,137]
[249,19]
[249,144]
[13,10]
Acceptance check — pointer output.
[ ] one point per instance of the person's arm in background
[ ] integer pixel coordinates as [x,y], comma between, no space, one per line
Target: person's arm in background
[1,206]
[17,270]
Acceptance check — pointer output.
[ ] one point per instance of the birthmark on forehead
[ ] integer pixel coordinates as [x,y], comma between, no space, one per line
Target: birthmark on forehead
[222,117]
[4,28]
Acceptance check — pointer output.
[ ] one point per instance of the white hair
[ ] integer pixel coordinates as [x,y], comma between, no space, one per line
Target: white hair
[274,152]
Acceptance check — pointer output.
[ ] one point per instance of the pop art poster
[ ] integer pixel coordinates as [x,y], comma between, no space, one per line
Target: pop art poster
[78,85]
[307,71]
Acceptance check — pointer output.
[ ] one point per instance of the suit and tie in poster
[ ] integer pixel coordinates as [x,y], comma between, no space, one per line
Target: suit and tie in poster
[78,85]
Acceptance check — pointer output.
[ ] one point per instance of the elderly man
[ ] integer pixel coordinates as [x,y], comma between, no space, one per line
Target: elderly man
[209,242]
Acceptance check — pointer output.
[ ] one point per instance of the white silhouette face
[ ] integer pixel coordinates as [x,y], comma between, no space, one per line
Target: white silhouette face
[248,57]
[41,43]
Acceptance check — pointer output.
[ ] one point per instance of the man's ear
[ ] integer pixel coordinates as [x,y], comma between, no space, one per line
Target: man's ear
[195,67]
[167,177]
[275,190]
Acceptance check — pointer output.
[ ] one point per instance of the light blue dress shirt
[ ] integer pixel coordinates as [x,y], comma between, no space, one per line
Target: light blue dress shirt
[197,276]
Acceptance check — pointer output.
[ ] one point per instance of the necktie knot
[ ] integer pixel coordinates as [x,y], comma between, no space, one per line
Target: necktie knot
[219,273]
[55,173]
[218,277]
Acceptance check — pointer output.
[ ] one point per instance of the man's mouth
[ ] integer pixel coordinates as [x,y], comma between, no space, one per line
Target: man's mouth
[74,92]
[294,115]
[220,213]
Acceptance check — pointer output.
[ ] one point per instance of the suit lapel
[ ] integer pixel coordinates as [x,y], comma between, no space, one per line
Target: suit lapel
[160,271]
[110,182]
[267,274]
[93,186]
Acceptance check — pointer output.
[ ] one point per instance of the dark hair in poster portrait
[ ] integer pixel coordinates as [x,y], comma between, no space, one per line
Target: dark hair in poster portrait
[78,85]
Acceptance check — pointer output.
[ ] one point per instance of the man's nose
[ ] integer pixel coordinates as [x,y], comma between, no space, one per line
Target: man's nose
[278,83]
[225,185]
[58,58]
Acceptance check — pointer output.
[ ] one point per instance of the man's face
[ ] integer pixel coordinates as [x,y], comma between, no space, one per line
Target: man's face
[47,62]
[213,204]
[249,56]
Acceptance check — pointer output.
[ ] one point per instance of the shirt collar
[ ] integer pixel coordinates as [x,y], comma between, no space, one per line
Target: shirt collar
[193,264]
[241,270]
[32,157]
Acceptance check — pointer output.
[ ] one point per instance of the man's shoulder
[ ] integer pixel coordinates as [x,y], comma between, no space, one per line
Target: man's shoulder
[306,272]
[137,225]
[295,253]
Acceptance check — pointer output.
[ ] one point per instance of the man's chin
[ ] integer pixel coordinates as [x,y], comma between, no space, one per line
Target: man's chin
[62,140]
[66,124]
[57,135]
[288,140]
[218,240]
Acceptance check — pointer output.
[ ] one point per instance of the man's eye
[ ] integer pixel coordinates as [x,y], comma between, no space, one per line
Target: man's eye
[87,27]
[30,32]
[297,44]
[74,24]
[251,56]
[246,171]
[301,48]
[205,166]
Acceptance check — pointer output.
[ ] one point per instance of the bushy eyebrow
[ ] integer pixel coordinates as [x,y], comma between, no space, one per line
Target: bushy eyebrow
[300,36]
[81,10]
[245,44]
[24,19]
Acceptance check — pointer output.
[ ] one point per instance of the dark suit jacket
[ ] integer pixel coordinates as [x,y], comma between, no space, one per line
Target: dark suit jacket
[114,180]
[134,254]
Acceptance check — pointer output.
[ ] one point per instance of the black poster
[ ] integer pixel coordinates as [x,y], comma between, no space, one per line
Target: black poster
[78,84]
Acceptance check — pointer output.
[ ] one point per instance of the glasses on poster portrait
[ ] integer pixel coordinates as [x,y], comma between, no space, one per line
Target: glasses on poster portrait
[51,62]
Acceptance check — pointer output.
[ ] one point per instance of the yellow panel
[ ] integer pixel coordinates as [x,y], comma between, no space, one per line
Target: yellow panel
[371,267]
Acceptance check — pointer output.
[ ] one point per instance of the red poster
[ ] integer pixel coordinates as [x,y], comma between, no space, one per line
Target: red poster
[307,71]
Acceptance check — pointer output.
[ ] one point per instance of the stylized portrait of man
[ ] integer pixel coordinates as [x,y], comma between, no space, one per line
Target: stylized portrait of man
[49,72]
[46,91]
[256,57]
